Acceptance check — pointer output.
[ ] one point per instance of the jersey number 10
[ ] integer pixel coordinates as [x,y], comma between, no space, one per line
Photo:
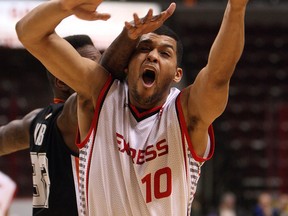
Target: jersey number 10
[162,184]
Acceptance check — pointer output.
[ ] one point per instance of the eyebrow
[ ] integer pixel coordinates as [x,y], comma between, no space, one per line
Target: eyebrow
[149,41]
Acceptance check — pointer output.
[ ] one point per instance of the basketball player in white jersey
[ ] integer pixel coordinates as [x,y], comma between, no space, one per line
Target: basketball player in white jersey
[147,142]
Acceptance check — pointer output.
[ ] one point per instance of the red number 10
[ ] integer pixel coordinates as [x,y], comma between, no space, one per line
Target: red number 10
[161,173]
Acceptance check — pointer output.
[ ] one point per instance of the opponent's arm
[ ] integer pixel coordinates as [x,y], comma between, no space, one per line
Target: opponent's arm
[206,99]
[15,136]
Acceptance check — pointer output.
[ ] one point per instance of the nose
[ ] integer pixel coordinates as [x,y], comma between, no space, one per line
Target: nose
[153,56]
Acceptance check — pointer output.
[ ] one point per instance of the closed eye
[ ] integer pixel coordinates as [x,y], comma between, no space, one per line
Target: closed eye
[165,54]
[145,49]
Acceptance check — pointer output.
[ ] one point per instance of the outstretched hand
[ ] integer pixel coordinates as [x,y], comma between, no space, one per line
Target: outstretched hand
[85,9]
[88,12]
[149,23]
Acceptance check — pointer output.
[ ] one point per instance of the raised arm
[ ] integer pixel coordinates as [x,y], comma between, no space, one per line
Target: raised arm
[15,135]
[207,97]
[36,31]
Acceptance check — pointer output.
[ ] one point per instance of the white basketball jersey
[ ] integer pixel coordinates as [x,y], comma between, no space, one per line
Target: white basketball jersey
[138,164]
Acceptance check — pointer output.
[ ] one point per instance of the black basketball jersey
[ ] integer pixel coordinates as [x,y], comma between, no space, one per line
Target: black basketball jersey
[55,182]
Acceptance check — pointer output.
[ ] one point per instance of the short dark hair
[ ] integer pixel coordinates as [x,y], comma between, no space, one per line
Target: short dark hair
[77,41]
[165,30]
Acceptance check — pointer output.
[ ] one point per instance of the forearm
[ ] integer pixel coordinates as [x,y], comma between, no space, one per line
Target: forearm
[116,57]
[36,31]
[12,140]
[40,22]
[229,43]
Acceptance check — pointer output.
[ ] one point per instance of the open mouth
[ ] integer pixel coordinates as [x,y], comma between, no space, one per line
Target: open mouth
[148,77]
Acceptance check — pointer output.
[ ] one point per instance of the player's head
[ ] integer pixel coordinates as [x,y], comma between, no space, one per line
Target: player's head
[153,68]
[85,47]
[165,30]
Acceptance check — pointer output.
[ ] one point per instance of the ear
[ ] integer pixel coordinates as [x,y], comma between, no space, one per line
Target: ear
[61,85]
[178,75]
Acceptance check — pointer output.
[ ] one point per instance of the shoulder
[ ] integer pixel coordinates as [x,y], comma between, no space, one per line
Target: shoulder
[33,113]
[28,118]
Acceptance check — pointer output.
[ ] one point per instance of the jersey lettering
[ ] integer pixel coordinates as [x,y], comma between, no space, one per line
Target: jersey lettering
[41,181]
[140,156]
[39,133]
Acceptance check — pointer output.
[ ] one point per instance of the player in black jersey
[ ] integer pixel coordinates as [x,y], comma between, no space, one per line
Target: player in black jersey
[50,132]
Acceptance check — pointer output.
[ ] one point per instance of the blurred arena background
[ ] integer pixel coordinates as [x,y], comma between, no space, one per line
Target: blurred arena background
[251,154]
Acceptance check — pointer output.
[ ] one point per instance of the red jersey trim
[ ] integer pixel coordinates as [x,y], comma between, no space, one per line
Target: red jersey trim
[58,100]
[96,113]
[76,160]
[142,115]
[185,134]
[94,124]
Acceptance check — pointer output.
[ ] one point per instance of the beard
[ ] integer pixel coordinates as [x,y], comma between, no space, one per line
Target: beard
[150,101]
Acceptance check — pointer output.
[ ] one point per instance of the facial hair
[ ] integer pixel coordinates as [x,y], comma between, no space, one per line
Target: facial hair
[152,100]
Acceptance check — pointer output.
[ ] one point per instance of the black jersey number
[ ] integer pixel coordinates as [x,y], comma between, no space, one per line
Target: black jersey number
[41,181]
